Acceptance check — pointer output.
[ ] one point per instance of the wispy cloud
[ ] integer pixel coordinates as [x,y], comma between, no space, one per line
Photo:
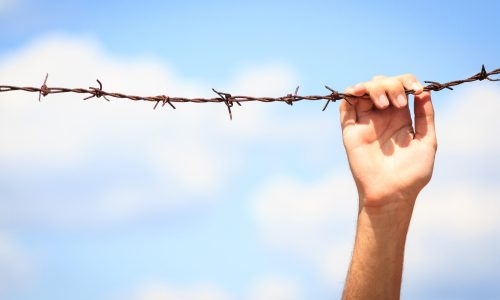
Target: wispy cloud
[132,160]
[162,291]
[276,287]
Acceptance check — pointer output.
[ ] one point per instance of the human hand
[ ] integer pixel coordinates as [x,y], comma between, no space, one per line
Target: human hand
[390,158]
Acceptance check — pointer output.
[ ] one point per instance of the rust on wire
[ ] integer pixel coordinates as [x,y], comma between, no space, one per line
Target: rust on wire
[229,99]
[334,96]
[166,99]
[97,92]
[436,86]
[289,98]
[44,90]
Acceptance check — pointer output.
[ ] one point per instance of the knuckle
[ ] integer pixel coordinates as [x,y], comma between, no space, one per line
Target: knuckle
[409,77]
[369,85]
[393,85]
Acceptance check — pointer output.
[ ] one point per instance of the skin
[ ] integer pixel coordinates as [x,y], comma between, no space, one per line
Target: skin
[391,159]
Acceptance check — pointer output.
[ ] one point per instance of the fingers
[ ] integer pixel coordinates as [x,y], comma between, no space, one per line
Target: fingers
[424,118]
[396,92]
[376,90]
[388,91]
[385,91]
[360,104]
[410,82]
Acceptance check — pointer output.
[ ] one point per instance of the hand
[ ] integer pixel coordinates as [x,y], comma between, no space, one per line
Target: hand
[391,160]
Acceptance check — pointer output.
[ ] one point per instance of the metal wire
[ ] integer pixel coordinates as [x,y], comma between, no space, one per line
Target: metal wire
[228,99]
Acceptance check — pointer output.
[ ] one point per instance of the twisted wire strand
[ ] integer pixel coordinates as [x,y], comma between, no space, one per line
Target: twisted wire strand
[228,99]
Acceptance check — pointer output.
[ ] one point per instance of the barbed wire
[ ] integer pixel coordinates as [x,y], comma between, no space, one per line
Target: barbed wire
[228,99]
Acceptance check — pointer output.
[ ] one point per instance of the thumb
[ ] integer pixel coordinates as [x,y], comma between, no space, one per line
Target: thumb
[424,118]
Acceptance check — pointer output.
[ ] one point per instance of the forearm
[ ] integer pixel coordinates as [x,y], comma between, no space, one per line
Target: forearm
[377,262]
[391,157]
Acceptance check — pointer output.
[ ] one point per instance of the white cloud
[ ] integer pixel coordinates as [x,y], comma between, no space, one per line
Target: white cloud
[270,80]
[312,221]
[334,262]
[467,125]
[286,209]
[189,154]
[62,129]
[451,239]
[275,288]
[160,291]
[462,211]
[266,287]
[194,165]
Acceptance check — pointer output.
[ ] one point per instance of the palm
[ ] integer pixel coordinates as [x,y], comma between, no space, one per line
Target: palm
[385,158]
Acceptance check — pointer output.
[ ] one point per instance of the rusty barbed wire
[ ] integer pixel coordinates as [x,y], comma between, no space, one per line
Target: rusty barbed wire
[228,99]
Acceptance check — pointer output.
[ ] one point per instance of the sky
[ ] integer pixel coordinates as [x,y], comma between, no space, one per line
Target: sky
[115,200]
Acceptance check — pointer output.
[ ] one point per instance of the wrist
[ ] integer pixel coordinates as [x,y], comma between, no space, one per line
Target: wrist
[394,213]
[385,201]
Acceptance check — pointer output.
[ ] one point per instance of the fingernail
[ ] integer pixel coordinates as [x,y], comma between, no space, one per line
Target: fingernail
[358,87]
[417,87]
[401,100]
[383,101]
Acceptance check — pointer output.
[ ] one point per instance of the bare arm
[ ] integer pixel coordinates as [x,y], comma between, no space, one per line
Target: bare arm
[391,160]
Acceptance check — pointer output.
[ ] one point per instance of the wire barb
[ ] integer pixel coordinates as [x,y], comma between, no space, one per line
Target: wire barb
[229,99]
[483,74]
[44,90]
[289,98]
[97,92]
[436,86]
[166,99]
[334,96]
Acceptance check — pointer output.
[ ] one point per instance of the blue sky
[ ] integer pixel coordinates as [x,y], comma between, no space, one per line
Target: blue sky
[319,38]
[117,201]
